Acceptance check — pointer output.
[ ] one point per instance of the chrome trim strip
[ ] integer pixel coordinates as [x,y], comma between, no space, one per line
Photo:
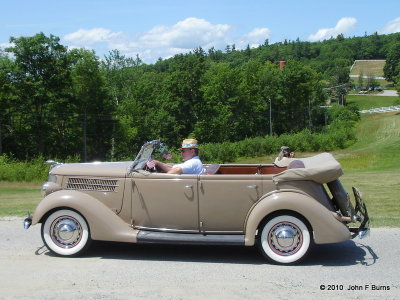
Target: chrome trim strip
[150,237]
[186,231]
[165,229]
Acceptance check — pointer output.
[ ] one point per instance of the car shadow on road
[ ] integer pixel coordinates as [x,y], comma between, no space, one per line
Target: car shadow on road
[340,254]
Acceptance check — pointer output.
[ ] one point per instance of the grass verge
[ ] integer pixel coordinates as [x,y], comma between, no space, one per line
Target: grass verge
[18,198]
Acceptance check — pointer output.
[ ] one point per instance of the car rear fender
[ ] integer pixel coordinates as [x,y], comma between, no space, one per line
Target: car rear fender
[326,228]
[104,224]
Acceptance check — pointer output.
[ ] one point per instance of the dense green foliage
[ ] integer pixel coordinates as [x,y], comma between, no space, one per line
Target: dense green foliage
[12,170]
[59,103]
[337,135]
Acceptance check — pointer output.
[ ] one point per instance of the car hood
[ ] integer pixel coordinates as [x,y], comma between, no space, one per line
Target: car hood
[98,169]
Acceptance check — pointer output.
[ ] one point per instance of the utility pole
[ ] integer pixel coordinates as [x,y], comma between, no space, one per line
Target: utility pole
[326,112]
[270,117]
[309,113]
[1,145]
[84,138]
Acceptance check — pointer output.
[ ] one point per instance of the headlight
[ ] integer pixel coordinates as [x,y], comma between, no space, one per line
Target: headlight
[52,178]
[45,187]
[49,187]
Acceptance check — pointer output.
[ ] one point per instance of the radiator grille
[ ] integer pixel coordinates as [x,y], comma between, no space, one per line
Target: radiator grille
[92,184]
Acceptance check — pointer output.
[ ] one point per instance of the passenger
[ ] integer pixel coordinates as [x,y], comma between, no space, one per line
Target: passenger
[191,161]
[285,157]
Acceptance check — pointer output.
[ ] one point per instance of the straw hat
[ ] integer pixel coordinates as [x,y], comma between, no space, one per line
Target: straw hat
[190,144]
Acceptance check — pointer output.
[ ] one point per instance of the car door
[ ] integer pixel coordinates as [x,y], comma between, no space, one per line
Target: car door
[165,202]
[225,200]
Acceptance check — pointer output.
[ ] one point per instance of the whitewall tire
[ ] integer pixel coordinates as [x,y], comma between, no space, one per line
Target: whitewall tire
[66,233]
[284,239]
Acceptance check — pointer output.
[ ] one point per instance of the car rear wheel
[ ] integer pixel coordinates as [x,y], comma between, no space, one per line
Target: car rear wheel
[66,233]
[284,239]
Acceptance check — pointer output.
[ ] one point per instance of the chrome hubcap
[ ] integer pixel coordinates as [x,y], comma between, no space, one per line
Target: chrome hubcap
[285,238]
[66,232]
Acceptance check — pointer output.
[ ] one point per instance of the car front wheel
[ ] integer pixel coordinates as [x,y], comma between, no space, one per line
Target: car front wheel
[284,239]
[66,233]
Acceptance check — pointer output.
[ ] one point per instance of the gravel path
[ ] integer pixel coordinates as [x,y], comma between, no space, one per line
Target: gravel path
[371,267]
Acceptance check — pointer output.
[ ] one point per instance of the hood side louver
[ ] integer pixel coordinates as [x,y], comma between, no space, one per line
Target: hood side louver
[92,184]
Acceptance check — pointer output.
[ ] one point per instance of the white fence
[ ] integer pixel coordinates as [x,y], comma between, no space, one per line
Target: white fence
[381,110]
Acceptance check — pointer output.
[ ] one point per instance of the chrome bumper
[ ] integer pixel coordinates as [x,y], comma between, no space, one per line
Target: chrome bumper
[361,215]
[27,222]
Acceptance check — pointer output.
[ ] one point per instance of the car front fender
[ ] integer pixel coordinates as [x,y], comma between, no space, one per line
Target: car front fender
[326,228]
[104,224]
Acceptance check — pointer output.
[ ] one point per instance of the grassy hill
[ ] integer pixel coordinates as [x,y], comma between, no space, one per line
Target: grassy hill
[373,164]
[368,68]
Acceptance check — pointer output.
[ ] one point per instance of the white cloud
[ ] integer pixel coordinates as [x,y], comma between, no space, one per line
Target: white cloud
[391,27]
[166,41]
[254,38]
[84,37]
[6,45]
[344,26]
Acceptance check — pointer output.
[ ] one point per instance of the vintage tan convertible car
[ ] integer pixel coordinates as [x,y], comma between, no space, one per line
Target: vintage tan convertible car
[283,210]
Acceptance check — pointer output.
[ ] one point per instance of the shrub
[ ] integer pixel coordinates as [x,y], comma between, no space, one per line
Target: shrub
[35,170]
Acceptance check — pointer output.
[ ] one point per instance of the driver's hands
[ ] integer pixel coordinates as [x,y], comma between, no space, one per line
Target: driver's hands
[151,164]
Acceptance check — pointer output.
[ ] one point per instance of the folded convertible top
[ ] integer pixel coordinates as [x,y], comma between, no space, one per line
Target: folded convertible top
[321,168]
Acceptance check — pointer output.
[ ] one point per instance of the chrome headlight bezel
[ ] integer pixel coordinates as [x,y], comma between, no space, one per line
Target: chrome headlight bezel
[52,178]
[50,185]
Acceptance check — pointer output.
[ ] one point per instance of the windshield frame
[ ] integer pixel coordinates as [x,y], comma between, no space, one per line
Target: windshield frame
[145,154]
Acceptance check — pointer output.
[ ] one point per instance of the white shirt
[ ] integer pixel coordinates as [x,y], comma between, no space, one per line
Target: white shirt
[191,166]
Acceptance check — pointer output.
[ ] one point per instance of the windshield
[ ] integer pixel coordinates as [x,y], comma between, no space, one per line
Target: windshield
[146,153]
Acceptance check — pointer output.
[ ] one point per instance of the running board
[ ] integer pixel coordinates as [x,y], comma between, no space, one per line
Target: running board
[153,237]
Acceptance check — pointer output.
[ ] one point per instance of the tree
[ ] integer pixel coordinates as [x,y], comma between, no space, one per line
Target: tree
[392,65]
[251,108]
[216,122]
[269,80]
[95,108]
[41,79]
[6,100]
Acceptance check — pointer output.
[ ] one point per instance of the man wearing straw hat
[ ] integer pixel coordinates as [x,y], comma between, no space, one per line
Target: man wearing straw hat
[191,161]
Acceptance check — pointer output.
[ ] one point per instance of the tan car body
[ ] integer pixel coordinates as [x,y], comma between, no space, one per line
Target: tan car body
[122,205]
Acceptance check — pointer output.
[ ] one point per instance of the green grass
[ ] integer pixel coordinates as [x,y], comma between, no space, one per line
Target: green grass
[17,198]
[368,68]
[380,191]
[367,102]
[373,164]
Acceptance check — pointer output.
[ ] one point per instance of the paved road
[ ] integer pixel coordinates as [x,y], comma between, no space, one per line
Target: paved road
[124,271]
[389,93]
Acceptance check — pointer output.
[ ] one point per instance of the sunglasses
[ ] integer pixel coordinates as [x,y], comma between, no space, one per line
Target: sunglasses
[183,150]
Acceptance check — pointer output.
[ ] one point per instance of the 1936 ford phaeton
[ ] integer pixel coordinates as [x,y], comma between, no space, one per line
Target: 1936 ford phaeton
[283,210]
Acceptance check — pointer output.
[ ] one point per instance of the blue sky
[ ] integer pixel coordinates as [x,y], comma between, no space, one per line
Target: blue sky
[163,28]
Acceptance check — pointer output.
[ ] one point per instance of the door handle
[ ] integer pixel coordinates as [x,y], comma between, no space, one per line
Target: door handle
[188,186]
[253,186]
